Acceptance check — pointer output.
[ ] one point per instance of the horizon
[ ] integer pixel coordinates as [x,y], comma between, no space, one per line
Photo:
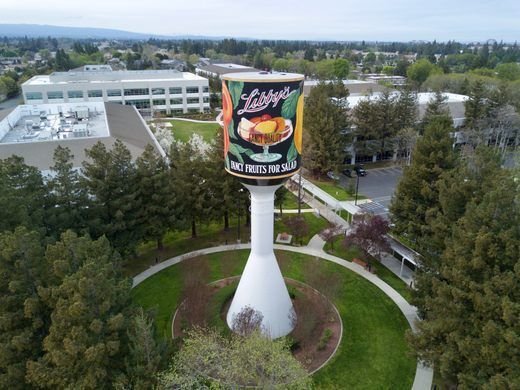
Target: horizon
[332,20]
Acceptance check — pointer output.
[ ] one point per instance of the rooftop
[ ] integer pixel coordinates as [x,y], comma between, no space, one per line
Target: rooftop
[102,76]
[35,131]
[35,123]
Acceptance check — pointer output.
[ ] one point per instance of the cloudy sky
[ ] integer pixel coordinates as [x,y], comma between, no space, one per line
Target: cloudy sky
[465,20]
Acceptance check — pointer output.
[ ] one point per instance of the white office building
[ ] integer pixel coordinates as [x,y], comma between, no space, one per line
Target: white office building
[150,91]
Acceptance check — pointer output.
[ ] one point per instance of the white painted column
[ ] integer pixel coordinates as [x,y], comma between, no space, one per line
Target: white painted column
[262,286]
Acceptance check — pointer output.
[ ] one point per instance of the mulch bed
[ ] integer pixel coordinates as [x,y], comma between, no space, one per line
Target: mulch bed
[315,313]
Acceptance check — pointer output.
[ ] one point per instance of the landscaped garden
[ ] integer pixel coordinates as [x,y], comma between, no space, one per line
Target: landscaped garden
[348,253]
[372,353]
[209,235]
[182,130]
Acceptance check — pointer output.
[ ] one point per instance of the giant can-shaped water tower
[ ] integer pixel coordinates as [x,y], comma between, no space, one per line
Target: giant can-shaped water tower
[262,118]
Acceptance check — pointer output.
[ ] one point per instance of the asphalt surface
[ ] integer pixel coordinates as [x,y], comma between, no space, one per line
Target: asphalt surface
[379,186]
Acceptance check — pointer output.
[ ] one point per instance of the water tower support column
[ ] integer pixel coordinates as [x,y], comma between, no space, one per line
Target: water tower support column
[262,286]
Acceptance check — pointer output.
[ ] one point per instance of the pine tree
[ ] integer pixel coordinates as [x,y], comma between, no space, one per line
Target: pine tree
[24,319]
[110,178]
[224,189]
[156,195]
[187,173]
[324,121]
[436,108]
[471,328]
[23,199]
[475,106]
[416,194]
[66,194]
[87,339]
[146,356]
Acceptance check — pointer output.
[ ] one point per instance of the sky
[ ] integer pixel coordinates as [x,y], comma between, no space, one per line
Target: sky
[383,20]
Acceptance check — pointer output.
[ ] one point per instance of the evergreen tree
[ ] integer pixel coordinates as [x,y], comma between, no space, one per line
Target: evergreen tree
[146,356]
[66,195]
[24,319]
[187,172]
[470,331]
[475,106]
[156,195]
[87,339]
[324,121]
[23,199]
[224,189]
[416,194]
[406,109]
[111,180]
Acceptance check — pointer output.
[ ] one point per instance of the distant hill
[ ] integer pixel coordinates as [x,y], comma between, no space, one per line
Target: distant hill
[42,30]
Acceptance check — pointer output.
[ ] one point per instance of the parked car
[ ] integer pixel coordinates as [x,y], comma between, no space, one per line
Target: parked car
[360,171]
[347,172]
[331,175]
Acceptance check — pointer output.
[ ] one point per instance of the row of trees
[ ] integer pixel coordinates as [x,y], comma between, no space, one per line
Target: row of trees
[125,201]
[460,211]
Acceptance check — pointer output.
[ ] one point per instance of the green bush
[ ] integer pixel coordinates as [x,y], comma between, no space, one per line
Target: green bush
[325,337]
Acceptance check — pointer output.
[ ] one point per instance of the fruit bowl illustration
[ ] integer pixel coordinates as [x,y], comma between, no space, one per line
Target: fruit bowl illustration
[265,131]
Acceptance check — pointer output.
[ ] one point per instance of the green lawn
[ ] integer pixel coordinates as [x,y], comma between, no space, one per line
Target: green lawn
[316,225]
[179,242]
[380,270]
[373,350]
[291,202]
[182,130]
[332,188]
[208,235]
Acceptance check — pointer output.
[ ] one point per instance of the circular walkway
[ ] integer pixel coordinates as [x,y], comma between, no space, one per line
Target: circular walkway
[423,374]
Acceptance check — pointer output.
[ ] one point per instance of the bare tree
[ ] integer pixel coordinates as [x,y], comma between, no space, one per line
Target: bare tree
[298,226]
[330,233]
[247,321]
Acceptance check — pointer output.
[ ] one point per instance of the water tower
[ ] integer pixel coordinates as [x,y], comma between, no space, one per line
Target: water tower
[262,115]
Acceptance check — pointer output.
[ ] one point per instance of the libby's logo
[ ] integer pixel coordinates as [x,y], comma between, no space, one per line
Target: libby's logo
[258,101]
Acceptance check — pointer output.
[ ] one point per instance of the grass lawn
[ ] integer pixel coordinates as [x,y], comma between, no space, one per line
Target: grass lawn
[373,350]
[179,242]
[182,130]
[384,273]
[291,203]
[333,189]
[316,225]
[208,235]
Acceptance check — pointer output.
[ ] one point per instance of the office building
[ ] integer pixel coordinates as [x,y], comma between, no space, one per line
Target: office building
[150,91]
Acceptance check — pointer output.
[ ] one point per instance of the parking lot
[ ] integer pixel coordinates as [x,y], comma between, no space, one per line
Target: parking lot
[379,186]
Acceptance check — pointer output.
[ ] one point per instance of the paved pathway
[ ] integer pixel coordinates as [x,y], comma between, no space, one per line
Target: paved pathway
[186,120]
[423,375]
[316,243]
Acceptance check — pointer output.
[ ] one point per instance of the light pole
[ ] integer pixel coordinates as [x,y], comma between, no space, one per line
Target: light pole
[299,193]
[357,186]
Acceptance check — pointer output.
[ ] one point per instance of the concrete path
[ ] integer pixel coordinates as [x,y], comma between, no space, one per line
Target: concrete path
[186,120]
[423,375]
[316,243]
[294,211]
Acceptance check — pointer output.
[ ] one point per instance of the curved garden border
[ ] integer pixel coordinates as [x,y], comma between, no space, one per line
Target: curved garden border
[423,374]
[302,284]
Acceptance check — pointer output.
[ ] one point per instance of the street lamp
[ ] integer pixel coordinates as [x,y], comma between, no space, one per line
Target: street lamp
[357,187]
[240,191]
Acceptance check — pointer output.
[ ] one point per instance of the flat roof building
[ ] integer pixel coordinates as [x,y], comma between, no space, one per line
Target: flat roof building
[355,87]
[218,70]
[35,131]
[150,91]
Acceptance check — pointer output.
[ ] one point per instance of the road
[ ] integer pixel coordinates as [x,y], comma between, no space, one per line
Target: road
[379,185]
[10,103]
